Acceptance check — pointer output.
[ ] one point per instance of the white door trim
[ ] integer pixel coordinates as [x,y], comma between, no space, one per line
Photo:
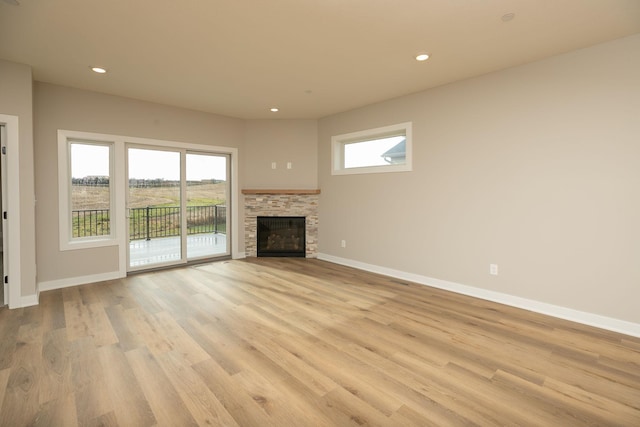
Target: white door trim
[12,229]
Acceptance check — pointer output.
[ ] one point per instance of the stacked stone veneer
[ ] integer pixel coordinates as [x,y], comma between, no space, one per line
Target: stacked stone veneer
[256,205]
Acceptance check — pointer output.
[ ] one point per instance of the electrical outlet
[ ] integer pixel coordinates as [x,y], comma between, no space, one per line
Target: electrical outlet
[343,243]
[273,165]
[289,165]
[493,269]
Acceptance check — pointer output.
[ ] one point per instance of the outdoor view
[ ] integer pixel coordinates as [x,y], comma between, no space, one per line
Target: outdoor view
[375,152]
[153,199]
[90,192]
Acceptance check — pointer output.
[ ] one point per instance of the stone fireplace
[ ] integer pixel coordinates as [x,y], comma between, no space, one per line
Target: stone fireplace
[281,203]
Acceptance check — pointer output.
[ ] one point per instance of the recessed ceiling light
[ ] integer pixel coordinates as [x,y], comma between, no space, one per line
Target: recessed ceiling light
[422,57]
[508,17]
[274,110]
[99,70]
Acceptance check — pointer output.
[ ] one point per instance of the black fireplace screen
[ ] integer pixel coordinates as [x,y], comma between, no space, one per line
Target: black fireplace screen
[281,236]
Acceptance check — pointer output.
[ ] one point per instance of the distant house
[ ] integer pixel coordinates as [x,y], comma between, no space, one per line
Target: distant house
[396,154]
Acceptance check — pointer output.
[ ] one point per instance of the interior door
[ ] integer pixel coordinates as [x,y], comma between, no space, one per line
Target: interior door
[4,294]
[154,207]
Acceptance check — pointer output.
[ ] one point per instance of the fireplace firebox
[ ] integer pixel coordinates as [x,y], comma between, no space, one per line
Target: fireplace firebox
[281,236]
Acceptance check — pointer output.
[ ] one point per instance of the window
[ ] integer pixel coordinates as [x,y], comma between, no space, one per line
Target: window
[90,190]
[385,149]
[93,191]
[86,192]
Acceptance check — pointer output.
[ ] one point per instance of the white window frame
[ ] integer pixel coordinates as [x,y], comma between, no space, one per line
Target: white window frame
[338,143]
[119,221]
[67,241]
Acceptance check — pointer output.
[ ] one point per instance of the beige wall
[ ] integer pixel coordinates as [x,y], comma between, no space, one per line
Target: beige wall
[258,143]
[57,107]
[281,141]
[534,168]
[16,99]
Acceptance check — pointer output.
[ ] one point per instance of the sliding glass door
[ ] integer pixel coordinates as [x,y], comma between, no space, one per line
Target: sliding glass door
[154,207]
[176,205]
[207,195]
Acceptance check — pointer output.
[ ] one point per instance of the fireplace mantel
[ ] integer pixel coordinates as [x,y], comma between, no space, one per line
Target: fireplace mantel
[280,191]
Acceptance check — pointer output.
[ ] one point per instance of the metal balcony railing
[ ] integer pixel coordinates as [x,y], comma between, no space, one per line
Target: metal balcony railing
[152,222]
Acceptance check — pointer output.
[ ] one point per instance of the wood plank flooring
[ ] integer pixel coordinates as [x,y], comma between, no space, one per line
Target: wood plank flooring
[302,342]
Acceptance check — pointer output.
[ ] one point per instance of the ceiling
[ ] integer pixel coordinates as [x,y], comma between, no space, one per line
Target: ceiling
[309,58]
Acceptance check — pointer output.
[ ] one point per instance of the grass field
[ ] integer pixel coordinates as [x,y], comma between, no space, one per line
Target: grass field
[161,222]
[85,197]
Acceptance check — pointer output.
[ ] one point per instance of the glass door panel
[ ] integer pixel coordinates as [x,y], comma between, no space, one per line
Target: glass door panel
[206,211]
[154,208]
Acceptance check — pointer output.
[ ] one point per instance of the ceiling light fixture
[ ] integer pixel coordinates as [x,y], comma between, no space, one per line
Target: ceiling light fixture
[99,70]
[422,57]
[274,110]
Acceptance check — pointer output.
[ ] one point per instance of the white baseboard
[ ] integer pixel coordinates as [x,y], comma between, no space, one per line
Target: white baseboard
[591,319]
[240,255]
[81,280]
[29,300]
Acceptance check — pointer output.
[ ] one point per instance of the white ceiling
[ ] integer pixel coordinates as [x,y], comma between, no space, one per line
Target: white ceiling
[310,58]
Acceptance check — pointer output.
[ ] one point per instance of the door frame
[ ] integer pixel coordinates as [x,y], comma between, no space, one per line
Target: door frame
[183,152]
[184,189]
[11,235]
[181,260]
[184,149]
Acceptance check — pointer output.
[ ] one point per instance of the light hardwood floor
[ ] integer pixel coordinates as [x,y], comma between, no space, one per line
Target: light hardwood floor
[301,342]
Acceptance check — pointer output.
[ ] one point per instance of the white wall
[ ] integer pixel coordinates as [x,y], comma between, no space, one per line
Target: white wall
[533,168]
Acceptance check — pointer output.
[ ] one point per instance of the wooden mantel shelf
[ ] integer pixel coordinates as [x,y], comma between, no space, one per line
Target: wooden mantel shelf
[261,191]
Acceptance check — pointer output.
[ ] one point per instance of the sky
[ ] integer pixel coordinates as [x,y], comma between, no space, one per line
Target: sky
[368,153]
[93,160]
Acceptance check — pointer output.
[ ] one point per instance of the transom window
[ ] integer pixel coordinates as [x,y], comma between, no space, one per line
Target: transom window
[385,149]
